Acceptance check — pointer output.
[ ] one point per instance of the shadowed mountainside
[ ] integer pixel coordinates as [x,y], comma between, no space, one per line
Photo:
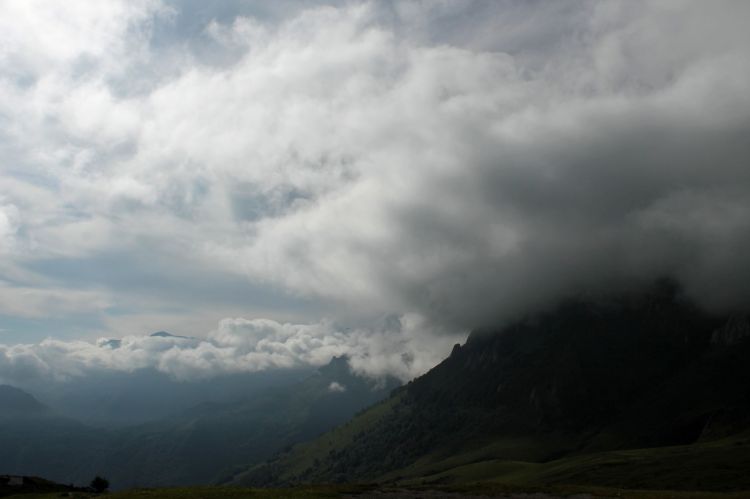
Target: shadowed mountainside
[645,370]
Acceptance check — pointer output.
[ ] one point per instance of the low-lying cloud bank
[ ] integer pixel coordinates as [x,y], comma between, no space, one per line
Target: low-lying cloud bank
[402,347]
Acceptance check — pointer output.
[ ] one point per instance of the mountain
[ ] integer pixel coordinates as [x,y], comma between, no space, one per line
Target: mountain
[119,399]
[34,440]
[164,334]
[204,444]
[111,398]
[197,445]
[641,371]
[17,403]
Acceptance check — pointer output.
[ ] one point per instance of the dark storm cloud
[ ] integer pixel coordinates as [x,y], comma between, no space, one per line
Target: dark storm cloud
[504,185]
[628,196]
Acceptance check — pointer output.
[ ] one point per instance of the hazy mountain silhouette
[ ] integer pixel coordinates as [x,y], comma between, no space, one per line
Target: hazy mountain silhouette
[205,443]
[38,442]
[118,399]
[17,403]
[201,444]
[164,334]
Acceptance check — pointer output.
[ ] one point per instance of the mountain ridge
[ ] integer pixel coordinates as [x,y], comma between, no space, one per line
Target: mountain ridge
[642,370]
[15,402]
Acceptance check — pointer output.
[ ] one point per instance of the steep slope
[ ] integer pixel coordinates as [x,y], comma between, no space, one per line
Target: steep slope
[644,370]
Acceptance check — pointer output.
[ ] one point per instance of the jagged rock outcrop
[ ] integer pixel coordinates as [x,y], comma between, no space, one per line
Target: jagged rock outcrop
[736,330]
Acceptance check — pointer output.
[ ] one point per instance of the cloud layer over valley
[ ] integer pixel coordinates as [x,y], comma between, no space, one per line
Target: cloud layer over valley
[401,347]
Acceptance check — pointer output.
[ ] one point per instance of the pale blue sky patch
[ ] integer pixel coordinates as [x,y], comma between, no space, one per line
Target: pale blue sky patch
[32,330]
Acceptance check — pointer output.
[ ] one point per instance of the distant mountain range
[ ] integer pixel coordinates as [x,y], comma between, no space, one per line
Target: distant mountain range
[209,442]
[199,445]
[111,398]
[559,398]
[164,334]
[118,399]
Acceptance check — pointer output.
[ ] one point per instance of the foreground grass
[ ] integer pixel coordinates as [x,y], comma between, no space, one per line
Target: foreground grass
[574,491]
[719,466]
[312,492]
[341,491]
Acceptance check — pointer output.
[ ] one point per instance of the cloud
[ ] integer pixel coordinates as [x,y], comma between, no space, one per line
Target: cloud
[471,186]
[34,302]
[401,347]
[462,162]
[9,224]
[336,387]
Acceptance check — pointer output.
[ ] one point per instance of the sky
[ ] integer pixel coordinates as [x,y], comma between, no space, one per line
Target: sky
[285,181]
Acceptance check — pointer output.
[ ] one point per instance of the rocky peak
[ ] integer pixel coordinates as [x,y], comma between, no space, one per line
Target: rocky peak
[736,329]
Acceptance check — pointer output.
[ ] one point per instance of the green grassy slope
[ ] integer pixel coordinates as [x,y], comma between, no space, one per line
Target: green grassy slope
[299,465]
[721,465]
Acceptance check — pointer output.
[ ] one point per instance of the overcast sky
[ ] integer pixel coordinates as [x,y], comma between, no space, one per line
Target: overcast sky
[387,174]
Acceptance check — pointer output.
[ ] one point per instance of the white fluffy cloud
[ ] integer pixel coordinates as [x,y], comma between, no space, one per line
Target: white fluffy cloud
[466,162]
[335,387]
[402,347]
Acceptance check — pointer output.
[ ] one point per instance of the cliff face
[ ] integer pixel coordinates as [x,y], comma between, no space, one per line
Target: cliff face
[736,330]
[575,368]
